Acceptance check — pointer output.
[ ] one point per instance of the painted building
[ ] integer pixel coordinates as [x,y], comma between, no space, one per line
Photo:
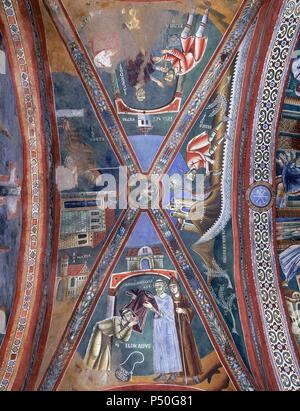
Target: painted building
[71,279]
[82,223]
[144,123]
[145,258]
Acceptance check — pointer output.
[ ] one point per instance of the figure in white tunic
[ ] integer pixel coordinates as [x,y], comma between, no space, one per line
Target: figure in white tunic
[166,352]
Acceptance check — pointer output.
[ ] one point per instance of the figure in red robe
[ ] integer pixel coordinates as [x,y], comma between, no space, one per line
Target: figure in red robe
[200,150]
[193,48]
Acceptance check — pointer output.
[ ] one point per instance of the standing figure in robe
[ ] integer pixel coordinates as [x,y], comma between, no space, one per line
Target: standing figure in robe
[98,353]
[184,315]
[193,48]
[166,352]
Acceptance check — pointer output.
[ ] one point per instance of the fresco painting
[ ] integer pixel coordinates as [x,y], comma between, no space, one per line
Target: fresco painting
[288,194]
[10,186]
[150,330]
[149,195]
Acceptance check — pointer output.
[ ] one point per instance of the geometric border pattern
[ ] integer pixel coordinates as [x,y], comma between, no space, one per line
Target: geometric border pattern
[34,193]
[276,330]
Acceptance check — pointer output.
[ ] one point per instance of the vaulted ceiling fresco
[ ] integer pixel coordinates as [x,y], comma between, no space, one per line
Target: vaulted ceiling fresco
[149,195]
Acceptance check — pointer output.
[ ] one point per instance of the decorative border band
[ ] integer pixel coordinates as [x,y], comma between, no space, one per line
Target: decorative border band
[276,330]
[34,229]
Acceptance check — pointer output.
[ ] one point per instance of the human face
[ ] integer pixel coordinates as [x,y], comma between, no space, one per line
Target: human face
[173,288]
[170,76]
[128,316]
[159,288]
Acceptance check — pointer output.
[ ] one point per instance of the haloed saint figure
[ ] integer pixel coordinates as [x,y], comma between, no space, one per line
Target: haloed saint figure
[166,351]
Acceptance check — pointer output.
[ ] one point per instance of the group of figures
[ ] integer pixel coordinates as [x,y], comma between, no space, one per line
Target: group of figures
[175,350]
[288,195]
[147,83]
[161,70]
[288,159]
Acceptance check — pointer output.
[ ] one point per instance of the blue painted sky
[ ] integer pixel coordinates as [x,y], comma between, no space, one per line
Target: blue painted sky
[143,233]
[145,148]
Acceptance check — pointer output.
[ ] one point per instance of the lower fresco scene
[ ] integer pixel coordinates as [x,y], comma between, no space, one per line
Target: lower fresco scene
[149,195]
[150,331]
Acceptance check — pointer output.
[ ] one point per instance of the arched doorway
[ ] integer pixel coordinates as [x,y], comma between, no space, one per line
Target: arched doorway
[145,264]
